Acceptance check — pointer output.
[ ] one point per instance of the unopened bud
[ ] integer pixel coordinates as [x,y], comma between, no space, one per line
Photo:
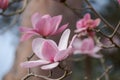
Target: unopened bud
[3,4]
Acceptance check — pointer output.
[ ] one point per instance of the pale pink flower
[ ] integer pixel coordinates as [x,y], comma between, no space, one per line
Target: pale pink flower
[86,23]
[43,26]
[86,47]
[49,53]
[4,4]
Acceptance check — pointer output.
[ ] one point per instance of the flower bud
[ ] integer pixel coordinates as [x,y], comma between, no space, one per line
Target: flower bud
[3,4]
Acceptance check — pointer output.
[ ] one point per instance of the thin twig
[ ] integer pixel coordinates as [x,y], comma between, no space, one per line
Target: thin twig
[104,68]
[28,59]
[16,12]
[100,44]
[47,78]
[106,71]
[50,73]
[110,37]
[115,31]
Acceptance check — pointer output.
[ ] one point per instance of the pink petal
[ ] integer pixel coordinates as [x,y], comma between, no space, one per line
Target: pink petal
[94,53]
[72,41]
[80,24]
[49,50]
[46,16]
[119,1]
[26,36]
[64,40]
[30,64]
[62,54]
[77,44]
[87,45]
[55,22]
[87,16]
[96,49]
[37,46]
[35,18]
[61,29]
[47,28]
[50,66]
[24,29]
[97,21]
[43,26]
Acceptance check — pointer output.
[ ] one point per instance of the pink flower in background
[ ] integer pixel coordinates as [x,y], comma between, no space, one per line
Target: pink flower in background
[86,23]
[49,53]
[3,4]
[86,47]
[119,1]
[43,26]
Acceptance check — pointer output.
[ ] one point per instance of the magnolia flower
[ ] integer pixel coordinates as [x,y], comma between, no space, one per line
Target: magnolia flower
[49,53]
[43,26]
[3,4]
[86,47]
[86,24]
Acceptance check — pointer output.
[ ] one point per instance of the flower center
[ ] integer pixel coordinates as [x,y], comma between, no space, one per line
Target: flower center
[52,60]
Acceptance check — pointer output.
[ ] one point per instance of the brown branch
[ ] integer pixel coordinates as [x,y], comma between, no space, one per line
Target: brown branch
[74,9]
[45,77]
[19,11]
[97,40]
[28,59]
[50,73]
[110,37]
[115,31]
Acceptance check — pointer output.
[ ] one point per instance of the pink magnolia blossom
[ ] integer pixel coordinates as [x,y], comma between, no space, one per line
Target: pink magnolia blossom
[86,23]
[43,26]
[49,53]
[86,47]
[3,4]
